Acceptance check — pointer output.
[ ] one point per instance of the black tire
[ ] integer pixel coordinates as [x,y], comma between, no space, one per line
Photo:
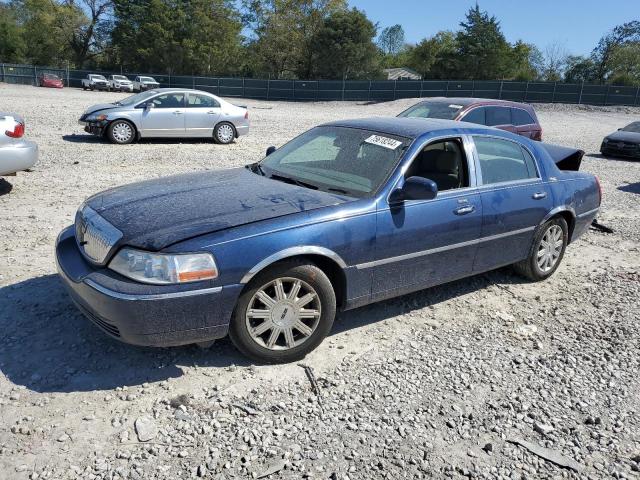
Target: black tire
[84,88]
[224,133]
[117,126]
[530,267]
[307,273]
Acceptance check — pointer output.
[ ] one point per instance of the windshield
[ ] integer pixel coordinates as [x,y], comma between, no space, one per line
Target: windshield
[51,76]
[137,98]
[442,110]
[147,79]
[99,77]
[632,127]
[120,77]
[336,159]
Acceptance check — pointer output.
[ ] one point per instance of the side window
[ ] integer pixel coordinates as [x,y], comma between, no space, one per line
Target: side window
[498,116]
[503,161]
[444,162]
[201,101]
[477,115]
[521,117]
[169,100]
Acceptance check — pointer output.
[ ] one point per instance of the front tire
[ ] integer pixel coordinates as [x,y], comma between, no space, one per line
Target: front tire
[284,313]
[121,132]
[224,133]
[549,245]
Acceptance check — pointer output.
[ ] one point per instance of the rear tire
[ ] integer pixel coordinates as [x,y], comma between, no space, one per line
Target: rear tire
[284,313]
[224,133]
[547,251]
[121,132]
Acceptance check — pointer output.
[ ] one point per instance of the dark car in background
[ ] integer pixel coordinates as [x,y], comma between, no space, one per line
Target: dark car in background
[623,143]
[50,80]
[519,118]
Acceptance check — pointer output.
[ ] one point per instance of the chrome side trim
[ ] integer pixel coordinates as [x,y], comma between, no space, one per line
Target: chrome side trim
[157,296]
[423,253]
[291,252]
[561,208]
[590,212]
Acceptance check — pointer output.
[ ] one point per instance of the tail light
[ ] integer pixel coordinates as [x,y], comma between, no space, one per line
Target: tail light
[17,132]
[599,191]
[246,114]
[537,135]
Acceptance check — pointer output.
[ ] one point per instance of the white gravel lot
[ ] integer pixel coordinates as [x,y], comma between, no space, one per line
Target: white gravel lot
[430,385]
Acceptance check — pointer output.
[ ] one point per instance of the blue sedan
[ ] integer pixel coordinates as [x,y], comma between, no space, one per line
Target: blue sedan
[346,214]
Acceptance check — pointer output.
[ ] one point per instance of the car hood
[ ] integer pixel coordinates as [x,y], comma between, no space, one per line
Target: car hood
[101,107]
[622,136]
[157,213]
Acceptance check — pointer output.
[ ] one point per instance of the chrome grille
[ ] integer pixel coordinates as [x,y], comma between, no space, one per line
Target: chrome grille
[95,236]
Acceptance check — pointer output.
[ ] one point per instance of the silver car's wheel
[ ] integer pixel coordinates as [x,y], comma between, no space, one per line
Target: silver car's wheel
[224,133]
[550,248]
[121,132]
[284,312]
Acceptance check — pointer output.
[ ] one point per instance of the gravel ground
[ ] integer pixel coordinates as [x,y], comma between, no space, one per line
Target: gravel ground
[475,378]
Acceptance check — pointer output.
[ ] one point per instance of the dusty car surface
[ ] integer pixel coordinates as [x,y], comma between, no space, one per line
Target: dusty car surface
[16,152]
[513,117]
[142,83]
[120,83]
[94,81]
[49,80]
[167,112]
[346,214]
[623,143]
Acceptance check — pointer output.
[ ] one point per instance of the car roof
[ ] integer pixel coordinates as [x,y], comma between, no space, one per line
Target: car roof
[468,101]
[405,127]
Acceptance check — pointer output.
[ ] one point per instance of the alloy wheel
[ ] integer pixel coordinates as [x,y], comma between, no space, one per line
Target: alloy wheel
[283,314]
[122,132]
[550,248]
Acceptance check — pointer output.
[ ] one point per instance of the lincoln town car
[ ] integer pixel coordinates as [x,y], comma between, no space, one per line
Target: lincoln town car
[346,214]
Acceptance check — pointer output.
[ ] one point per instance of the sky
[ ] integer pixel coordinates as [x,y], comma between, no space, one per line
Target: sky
[577,24]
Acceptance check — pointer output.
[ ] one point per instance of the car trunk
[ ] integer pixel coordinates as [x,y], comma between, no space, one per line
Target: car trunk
[564,157]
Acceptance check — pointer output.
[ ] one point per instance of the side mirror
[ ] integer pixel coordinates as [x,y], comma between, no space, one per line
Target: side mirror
[149,105]
[415,188]
[270,150]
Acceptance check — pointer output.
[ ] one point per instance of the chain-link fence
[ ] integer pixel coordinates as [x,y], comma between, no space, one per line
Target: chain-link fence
[362,90]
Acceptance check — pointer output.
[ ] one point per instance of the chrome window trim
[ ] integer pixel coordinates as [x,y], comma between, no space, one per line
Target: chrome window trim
[468,148]
[431,251]
[152,296]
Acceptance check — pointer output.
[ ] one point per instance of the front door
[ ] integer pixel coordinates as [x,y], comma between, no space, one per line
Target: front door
[515,200]
[166,118]
[202,114]
[420,243]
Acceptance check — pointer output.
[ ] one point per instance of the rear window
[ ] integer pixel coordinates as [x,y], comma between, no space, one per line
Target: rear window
[521,117]
[442,110]
[498,116]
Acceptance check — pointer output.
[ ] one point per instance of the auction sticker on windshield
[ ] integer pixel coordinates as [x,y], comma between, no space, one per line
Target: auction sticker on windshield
[385,142]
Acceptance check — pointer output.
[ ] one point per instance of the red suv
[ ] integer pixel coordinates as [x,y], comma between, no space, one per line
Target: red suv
[514,117]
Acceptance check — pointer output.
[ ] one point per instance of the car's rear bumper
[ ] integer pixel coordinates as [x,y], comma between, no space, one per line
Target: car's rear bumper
[140,314]
[18,156]
[242,130]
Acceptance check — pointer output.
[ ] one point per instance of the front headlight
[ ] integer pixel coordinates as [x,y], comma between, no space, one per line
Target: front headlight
[163,268]
[606,140]
[97,118]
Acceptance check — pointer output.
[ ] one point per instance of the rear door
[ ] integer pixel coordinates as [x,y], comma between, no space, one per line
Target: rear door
[514,198]
[524,123]
[202,114]
[476,115]
[166,118]
[500,117]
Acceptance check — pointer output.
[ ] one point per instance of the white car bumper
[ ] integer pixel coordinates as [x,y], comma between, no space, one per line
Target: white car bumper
[18,156]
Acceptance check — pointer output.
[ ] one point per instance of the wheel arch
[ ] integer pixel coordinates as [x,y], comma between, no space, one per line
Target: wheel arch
[131,121]
[565,212]
[326,260]
[229,122]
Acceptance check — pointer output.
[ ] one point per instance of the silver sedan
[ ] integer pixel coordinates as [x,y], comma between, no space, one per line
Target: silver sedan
[16,153]
[167,112]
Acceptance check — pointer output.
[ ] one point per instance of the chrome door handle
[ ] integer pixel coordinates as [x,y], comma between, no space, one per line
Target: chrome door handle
[539,195]
[178,112]
[464,210]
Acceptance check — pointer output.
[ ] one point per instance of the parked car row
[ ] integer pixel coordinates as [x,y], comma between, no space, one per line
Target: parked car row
[121,83]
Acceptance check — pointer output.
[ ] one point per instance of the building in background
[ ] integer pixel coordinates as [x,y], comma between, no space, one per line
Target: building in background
[402,73]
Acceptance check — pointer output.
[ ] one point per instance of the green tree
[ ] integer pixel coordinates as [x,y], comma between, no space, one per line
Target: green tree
[603,54]
[90,37]
[525,61]
[391,40]
[12,47]
[483,52]
[435,57]
[345,47]
[580,69]
[625,64]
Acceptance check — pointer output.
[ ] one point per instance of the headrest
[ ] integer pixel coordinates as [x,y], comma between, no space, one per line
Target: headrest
[439,161]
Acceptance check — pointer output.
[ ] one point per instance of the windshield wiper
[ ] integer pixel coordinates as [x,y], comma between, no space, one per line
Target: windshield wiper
[256,168]
[294,181]
[338,190]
